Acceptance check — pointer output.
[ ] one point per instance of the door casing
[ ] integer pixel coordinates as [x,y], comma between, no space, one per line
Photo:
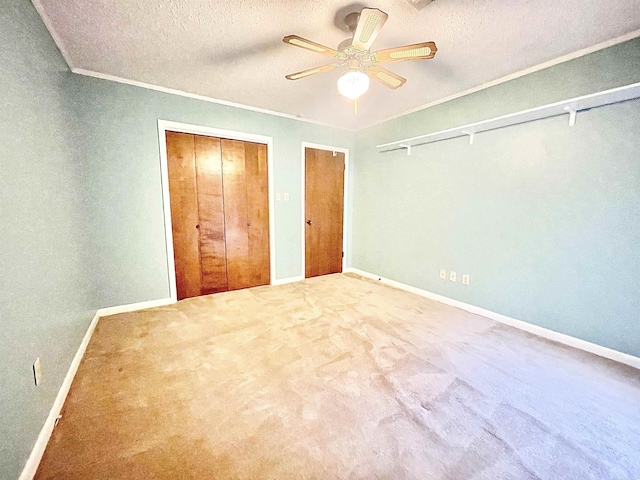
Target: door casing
[163,126]
[345,201]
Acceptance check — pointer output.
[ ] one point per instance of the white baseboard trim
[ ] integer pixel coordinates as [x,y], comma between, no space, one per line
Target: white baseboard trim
[527,327]
[43,439]
[33,462]
[283,281]
[132,307]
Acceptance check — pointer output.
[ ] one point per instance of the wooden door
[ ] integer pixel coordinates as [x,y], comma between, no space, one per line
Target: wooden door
[246,200]
[213,261]
[197,214]
[324,209]
[219,213]
[181,165]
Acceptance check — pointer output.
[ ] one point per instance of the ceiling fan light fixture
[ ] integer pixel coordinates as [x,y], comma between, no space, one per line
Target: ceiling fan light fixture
[355,54]
[353,84]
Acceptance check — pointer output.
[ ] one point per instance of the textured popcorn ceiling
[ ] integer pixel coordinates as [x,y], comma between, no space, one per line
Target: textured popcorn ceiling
[233,50]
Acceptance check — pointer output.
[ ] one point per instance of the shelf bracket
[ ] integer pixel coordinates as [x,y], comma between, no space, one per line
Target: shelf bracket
[407,146]
[572,115]
[471,134]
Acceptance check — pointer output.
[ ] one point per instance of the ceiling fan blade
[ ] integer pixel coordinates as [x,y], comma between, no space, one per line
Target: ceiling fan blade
[369,25]
[297,41]
[385,76]
[311,71]
[417,51]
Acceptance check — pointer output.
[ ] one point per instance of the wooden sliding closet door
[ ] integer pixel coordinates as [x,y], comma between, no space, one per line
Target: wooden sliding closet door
[197,214]
[246,201]
[213,263]
[324,210]
[219,213]
[184,213]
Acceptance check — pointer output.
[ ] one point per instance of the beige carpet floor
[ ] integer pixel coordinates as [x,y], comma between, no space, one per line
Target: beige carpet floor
[339,377]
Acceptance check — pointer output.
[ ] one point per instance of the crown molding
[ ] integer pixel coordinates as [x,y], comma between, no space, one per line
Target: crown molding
[564,58]
[204,98]
[52,31]
[89,73]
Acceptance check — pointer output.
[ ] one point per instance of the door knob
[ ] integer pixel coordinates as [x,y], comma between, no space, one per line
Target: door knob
[309,222]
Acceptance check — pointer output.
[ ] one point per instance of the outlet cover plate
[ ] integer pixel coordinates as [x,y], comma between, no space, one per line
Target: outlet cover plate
[443,274]
[37,371]
[452,276]
[465,279]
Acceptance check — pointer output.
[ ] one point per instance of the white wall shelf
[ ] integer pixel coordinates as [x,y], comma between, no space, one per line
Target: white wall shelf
[566,107]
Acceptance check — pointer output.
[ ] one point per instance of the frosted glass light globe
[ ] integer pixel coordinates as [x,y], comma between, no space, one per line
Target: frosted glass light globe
[353,84]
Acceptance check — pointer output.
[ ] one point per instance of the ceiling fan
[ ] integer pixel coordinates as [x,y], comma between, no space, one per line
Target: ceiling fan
[354,53]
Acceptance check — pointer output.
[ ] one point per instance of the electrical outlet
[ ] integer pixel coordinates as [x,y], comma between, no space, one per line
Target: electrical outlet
[443,274]
[277,197]
[37,371]
[452,276]
[286,197]
[465,279]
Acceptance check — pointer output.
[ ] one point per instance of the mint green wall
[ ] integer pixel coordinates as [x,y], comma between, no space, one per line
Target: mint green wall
[544,217]
[81,208]
[122,152]
[45,275]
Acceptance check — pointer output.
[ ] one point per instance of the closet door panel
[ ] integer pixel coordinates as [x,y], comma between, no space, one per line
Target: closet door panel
[258,212]
[245,179]
[184,212]
[235,212]
[211,214]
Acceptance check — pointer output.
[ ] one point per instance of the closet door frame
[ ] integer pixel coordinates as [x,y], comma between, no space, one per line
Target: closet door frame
[163,126]
[345,201]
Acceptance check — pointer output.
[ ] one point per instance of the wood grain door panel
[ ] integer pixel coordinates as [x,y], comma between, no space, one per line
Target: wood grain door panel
[219,213]
[184,213]
[324,209]
[256,176]
[213,261]
[246,201]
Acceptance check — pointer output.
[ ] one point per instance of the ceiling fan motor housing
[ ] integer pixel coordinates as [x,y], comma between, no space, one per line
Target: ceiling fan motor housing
[343,45]
[419,4]
[351,21]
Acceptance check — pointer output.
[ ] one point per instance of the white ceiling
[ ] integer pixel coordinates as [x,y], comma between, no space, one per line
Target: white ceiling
[233,50]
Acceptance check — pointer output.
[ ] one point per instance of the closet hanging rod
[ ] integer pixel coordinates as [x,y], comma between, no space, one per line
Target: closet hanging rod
[571,107]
